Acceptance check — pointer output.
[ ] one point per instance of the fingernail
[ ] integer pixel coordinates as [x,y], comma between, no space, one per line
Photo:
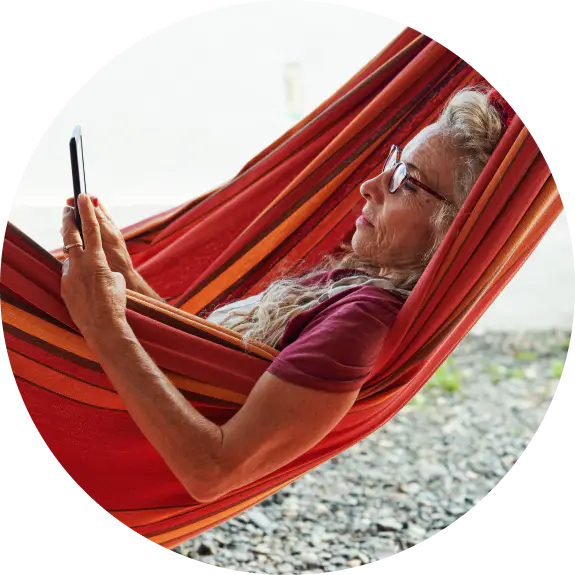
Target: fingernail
[95,202]
[66,210]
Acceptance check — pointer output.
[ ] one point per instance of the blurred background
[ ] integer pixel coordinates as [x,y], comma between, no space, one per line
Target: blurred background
[180,113]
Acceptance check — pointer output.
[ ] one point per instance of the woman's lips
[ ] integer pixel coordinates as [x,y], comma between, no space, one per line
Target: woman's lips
[363,221]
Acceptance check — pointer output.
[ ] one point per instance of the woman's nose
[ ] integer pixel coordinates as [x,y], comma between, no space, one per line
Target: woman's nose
[374,190]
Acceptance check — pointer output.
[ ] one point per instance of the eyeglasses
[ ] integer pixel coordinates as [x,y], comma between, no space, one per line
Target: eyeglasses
[400,175]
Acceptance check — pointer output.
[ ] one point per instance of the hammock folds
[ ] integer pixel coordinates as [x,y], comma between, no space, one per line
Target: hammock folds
[297,200]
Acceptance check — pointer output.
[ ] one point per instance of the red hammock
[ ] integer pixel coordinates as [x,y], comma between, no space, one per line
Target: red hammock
[296,200]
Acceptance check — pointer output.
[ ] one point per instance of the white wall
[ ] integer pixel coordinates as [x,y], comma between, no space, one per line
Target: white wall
[183,110]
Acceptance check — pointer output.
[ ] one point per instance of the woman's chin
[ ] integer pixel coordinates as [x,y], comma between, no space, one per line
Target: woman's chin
[358,246]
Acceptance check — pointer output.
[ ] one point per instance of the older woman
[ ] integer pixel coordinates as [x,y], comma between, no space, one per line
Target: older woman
[329,325]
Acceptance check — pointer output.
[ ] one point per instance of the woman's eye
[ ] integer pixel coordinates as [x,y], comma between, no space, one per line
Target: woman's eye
[409,187]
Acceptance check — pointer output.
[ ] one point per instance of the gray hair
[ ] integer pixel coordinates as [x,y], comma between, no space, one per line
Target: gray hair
[472,125]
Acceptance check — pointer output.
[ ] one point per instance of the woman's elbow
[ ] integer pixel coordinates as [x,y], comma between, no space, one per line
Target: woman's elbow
[208,489]
[205,494]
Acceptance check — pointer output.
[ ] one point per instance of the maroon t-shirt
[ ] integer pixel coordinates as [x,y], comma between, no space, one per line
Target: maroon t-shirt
[334,345]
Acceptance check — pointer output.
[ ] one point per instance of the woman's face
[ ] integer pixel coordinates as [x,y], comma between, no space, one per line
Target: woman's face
[395,229]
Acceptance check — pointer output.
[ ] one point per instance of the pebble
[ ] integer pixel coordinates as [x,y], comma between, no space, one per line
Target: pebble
[408,480]
[310,559]
[205,549]
[410,488]
[363,557]
[259,519]
[389,524]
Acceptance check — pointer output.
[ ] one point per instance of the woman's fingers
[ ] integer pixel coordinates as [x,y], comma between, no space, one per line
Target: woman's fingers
[105,220]
[103,208]
[71,202]
[106,213]
[70,233]
[90,224]
[101,213]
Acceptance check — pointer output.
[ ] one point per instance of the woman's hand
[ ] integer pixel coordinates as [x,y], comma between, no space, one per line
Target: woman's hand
[94,294]
[113,242]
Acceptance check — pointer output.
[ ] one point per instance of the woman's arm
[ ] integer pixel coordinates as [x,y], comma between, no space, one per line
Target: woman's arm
[279,421]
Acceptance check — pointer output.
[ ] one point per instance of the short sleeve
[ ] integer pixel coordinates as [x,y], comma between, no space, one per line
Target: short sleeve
[334,346]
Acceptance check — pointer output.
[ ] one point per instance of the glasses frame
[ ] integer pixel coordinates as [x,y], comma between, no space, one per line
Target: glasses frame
[407,178]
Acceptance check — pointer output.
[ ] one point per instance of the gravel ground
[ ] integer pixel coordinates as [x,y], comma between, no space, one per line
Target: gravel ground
[415,476]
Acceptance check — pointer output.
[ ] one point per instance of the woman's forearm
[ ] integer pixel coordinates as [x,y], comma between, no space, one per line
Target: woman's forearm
[135,282]
[187,441]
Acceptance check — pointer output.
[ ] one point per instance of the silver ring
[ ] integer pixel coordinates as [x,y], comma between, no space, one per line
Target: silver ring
[76,245]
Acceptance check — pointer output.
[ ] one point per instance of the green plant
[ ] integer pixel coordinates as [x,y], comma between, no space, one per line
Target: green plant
[447,378]
[496,372]
[517,373]
[525,355]
[557,367]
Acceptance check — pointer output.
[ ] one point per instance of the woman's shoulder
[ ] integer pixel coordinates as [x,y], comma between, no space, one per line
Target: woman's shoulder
[334,345]
[358,306]
[363,302]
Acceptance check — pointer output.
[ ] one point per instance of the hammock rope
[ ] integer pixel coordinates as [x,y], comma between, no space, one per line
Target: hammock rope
[294,202]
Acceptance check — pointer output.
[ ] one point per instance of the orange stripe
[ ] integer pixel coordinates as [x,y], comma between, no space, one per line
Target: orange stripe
[134,518]
[75,344]
[62,384]
[46,331]
[204,389]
